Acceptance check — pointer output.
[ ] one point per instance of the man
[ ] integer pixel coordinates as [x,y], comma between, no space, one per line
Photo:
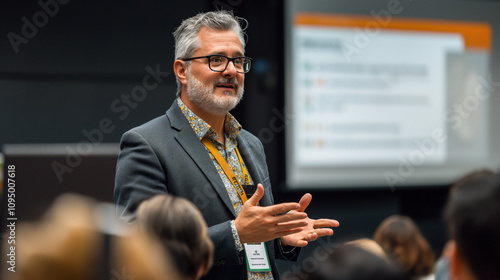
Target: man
[199,151]
[473,217]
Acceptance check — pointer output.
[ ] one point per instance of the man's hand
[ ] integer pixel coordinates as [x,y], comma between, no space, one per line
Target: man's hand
[313,230]
[259,224]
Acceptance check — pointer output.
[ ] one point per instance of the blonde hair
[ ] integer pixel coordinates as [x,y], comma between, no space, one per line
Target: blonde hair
[369,245]
[68,243]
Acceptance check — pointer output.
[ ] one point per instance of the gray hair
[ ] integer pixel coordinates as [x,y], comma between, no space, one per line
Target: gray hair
[186,35]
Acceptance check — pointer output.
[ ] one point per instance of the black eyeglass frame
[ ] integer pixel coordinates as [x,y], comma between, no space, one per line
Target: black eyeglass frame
[229,59]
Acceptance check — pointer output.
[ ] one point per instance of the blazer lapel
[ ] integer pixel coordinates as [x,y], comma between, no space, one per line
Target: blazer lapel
[254,165]
[249,160]
[196,150]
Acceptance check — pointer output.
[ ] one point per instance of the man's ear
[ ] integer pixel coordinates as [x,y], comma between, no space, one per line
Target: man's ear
[180,70]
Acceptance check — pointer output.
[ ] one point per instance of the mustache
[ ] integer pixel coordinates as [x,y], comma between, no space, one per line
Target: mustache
[232,80]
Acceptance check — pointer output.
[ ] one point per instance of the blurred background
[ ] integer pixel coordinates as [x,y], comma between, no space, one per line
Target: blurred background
[73,73]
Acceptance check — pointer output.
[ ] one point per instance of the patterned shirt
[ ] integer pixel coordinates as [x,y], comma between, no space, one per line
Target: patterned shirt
[228,151]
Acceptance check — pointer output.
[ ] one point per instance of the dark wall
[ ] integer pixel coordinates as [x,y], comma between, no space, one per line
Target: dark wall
[79,67]
[85,65]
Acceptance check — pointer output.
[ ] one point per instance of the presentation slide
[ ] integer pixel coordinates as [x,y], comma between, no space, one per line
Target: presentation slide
[384,100]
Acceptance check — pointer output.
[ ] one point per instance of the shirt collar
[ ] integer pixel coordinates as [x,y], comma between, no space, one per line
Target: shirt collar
[202,129]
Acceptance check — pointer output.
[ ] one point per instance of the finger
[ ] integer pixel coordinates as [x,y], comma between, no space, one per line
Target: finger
[294,223]
[301,243]
[304,202]
[291,216]
[323,232]
[320,223]
[298,243]
[287,227]
[292,240]
[256,197]
[282,208]
[288,232]
[312,237]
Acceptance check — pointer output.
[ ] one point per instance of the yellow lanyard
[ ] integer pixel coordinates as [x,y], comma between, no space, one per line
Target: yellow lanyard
[229,172]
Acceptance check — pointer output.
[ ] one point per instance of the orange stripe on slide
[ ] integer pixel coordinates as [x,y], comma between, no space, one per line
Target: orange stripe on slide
[475,34]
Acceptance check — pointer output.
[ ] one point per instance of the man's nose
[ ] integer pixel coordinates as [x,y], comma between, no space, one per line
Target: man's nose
[230,70]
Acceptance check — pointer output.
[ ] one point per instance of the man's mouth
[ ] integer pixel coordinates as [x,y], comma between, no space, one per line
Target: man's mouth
[226,86]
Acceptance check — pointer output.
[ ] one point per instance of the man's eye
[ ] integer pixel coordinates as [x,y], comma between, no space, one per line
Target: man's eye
[216,59]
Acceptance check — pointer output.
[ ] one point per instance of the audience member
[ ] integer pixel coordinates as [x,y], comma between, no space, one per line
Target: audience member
[370,245]
[69,242]
[182,230]
[442,266]
[404,242]
[358,260]
[472,213]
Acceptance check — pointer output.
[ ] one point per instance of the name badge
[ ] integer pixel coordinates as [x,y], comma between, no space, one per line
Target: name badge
[257,258]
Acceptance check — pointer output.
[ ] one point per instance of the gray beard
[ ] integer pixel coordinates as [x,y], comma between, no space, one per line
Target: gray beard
[204,96]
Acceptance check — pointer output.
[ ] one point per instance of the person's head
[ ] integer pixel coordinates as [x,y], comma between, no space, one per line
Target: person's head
[472,213]
[70,243]
[403,241]
[181,228]
[211,33]
[370,245]
[356,261]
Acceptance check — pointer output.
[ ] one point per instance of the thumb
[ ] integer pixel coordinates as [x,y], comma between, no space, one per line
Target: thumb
[259,193]
[304,202]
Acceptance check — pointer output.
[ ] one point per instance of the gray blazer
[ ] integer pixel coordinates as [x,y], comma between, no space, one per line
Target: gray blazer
[164,155]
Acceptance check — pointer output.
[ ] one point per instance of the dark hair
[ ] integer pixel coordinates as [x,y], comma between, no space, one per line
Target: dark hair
[472,213]
[472,175]
[181,228]
[403,241]
[352,262]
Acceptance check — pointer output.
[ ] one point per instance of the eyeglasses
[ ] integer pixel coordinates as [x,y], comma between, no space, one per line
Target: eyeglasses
[219,63]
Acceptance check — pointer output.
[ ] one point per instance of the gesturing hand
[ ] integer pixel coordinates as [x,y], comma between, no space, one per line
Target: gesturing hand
[259,224]
[313,229]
